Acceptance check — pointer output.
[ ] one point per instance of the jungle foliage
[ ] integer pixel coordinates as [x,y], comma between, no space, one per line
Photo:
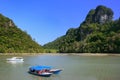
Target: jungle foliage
[14,40]
[98,33]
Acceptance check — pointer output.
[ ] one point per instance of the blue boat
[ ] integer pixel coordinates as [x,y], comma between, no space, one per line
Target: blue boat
[45,71]
[40,71]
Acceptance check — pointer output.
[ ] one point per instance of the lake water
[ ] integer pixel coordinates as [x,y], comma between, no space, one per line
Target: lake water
[74,67]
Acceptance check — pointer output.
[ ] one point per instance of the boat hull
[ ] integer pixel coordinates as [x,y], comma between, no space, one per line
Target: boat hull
[55,71]
[15,59]
[42,74]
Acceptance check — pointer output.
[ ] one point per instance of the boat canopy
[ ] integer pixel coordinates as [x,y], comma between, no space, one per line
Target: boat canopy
[40,67]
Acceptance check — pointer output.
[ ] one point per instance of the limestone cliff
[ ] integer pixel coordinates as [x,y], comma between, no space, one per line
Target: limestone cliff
[99,15]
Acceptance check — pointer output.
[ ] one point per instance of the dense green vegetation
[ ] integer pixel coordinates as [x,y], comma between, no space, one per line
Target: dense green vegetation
[14,40]
[97,34]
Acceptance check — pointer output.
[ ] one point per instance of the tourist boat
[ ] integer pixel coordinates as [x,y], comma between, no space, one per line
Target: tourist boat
[45,71]
[39,71]
[15,59]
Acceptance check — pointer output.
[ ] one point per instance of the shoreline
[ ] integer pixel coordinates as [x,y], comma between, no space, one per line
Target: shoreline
[20,54]
[79,54]
[96,54]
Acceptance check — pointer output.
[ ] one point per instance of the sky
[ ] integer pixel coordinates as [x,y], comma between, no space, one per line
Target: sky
[46,20]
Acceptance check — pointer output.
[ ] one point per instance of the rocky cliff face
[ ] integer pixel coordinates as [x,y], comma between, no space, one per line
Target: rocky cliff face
[99,15]
[103,14]
[6,22]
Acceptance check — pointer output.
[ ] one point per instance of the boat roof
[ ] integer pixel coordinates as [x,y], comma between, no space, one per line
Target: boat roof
[40,67]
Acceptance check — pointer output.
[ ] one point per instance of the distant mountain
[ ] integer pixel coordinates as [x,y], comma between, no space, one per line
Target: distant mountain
[14,40]
[98,33]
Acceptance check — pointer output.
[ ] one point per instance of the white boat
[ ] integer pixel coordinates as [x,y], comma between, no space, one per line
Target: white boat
[15,59]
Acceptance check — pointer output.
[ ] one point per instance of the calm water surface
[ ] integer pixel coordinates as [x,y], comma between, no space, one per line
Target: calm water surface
[74,67]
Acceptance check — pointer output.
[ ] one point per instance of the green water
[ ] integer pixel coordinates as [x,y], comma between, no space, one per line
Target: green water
[74,67]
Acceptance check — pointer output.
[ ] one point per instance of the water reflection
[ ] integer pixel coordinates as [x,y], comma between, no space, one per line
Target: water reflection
[44,78]
[33,77]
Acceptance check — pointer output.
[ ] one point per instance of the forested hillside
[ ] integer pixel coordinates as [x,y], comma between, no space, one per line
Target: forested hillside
[14,40]
[98,33]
